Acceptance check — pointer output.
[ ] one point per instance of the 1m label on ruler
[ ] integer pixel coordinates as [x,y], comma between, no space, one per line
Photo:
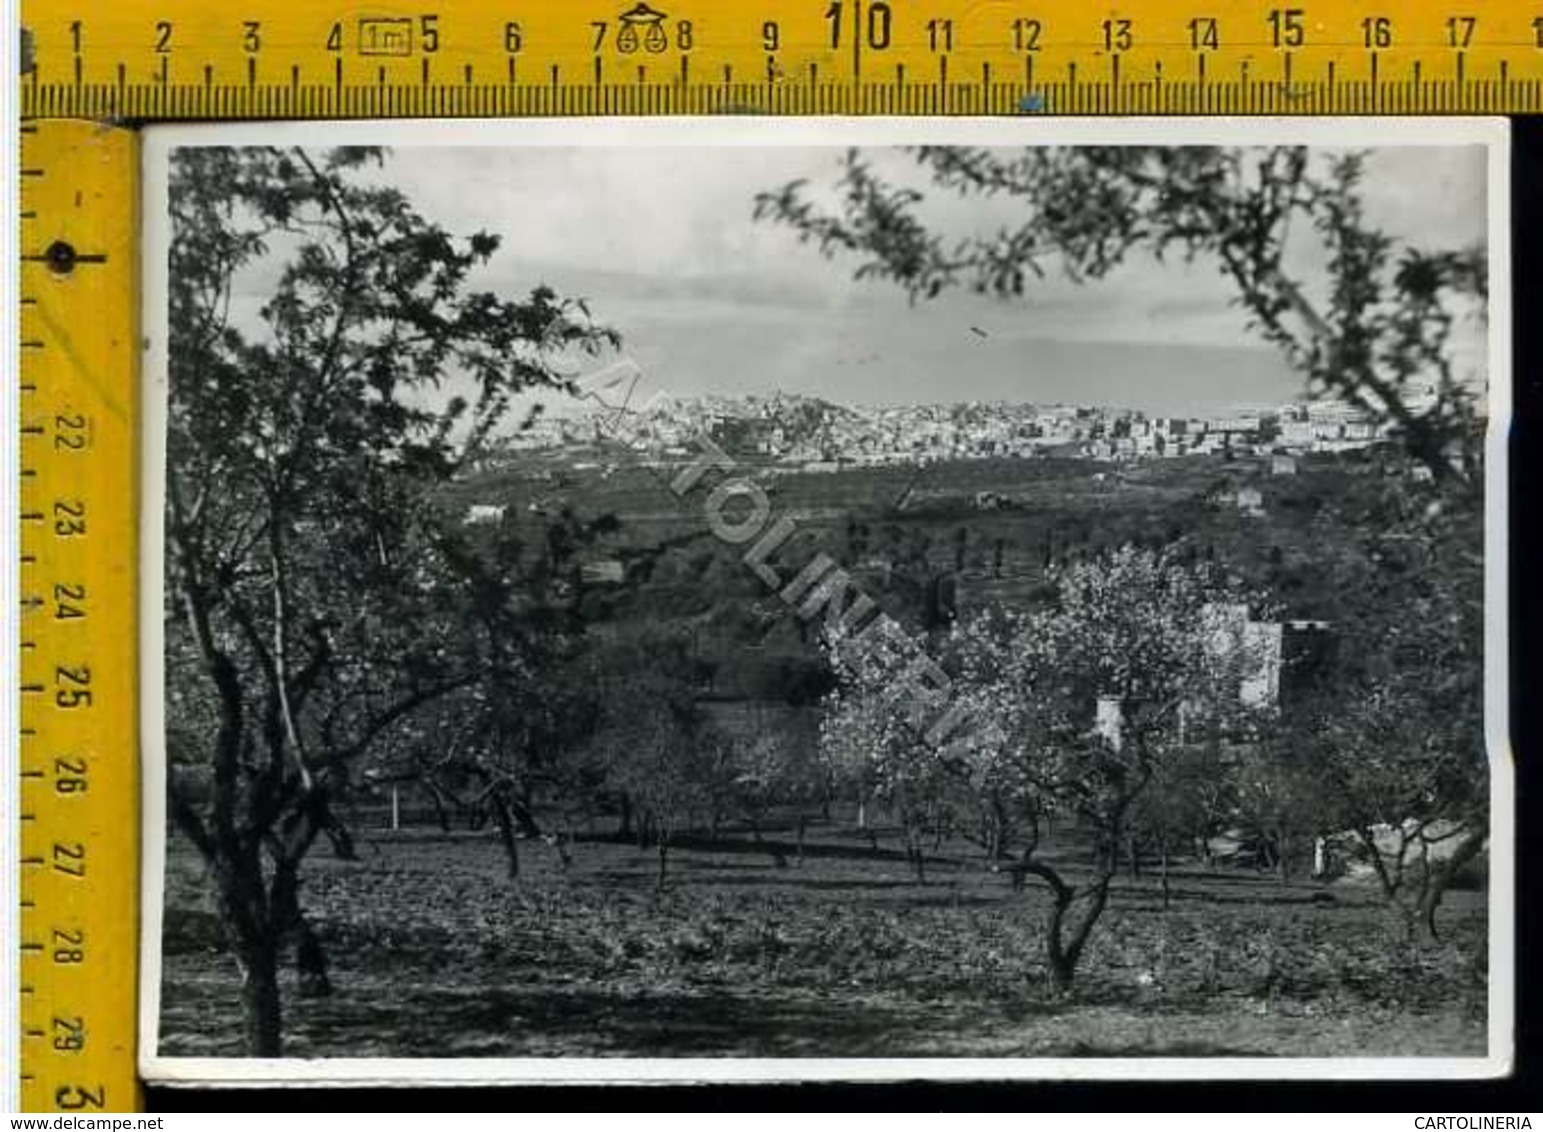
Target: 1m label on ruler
[187,59]
[79,786]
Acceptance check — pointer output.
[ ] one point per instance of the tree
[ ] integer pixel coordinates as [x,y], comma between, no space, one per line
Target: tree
[866,740]
[1399,731]
[653,740]
[1185,805]
[310,590]
[1089,698]
[494,743]
[1280,797]
[1375,335]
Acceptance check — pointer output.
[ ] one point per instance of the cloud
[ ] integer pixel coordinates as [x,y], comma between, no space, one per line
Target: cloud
[663,245]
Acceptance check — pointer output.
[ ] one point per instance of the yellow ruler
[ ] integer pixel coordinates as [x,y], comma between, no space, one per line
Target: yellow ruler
[139,61]
[159,59]
[79,787]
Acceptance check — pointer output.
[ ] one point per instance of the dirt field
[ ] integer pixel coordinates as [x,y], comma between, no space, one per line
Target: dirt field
[435,953]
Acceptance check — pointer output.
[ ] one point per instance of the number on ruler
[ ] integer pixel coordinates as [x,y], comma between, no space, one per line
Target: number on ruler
[880,19]
[70,858]
[72,686]
[69,601]
[71,431]
[1203,34]
[1460,30]
[70,774]
[69,946]
[1026,34]
[878,25]
[80,1096]
[940,35]
[69,517]
[1117,35]
[1286,27]
[1377,31]
[69,1033]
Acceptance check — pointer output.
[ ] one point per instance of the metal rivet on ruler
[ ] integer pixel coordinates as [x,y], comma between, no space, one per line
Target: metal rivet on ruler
[61,257]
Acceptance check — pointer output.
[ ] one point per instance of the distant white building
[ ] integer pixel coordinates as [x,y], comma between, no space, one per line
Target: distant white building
[607,571]
[1109,720]
[1297,433]
[479,513]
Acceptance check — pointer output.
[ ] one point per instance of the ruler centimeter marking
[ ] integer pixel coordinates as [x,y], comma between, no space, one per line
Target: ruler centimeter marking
[79,774]
[182,59]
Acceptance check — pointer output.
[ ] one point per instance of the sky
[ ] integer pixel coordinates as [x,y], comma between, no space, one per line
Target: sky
[661,243]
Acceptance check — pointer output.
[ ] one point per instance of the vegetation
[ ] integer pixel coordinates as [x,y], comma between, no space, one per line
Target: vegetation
[438,956]
[589,668]
[304,455]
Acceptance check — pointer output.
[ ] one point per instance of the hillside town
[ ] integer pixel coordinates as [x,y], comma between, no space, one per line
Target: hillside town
[807,433]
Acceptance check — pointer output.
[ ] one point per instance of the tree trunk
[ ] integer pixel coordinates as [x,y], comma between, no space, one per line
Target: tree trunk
[1163,865]
[802,824]
[1063,952]
[520,810]
[1133,857]
[625,830]
[664,857]
[311,962]
[1061,967]
[1439,879]
[914,851]
[263,1017]
[441,815]
[563,840]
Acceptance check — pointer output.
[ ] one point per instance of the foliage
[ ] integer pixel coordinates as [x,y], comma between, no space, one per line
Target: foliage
[653,742]
[1400,731]
[1134,635]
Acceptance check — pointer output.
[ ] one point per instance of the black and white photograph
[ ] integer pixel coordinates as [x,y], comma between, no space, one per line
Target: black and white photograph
[691,600]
